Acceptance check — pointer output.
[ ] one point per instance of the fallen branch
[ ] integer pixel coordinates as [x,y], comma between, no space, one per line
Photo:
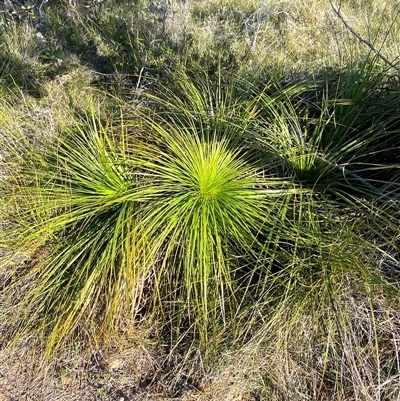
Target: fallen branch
[336,10]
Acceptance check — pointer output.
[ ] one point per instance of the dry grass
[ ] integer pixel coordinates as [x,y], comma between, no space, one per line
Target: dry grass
[288,36]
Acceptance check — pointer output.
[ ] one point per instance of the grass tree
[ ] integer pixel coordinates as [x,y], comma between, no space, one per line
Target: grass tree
[224,215]
[155,218]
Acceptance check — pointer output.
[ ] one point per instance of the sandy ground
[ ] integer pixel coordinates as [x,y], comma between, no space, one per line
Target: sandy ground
[23,379]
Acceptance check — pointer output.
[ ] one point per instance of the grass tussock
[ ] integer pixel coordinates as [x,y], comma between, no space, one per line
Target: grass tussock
[211,189]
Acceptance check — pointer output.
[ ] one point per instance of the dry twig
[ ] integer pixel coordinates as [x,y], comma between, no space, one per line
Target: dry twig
[361,39]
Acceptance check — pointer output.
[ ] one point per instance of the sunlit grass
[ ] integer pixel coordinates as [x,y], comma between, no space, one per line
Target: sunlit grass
[194,187]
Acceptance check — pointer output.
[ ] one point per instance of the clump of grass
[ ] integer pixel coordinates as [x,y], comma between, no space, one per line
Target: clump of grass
[139,222]
[19,51]
[181,209]
[203,207]
[83,251]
